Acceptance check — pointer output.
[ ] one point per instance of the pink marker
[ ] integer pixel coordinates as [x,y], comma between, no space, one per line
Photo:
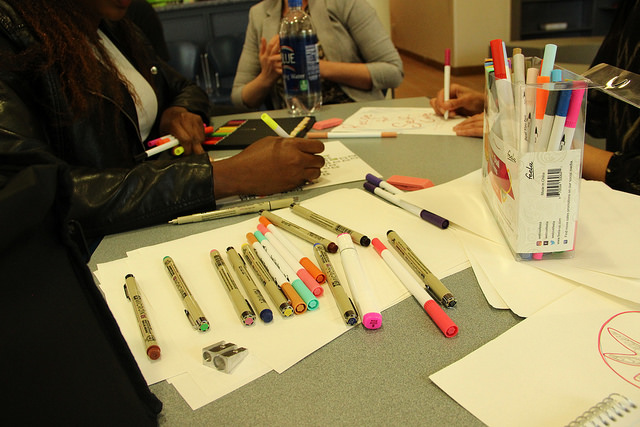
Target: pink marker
[572,115]
[303,274]
[439,317]
[302,259]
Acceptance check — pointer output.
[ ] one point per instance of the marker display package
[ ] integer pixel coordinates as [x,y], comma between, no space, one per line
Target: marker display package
[533,139]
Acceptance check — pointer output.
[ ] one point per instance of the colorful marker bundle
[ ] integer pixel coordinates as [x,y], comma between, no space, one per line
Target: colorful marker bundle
[534,135]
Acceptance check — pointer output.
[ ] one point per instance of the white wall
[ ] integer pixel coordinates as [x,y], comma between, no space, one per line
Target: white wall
[428,27]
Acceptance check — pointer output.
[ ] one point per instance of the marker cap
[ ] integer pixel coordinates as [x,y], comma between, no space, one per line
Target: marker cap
[153,352]
[372,320]
[266,315]
[440,318]
[313,270]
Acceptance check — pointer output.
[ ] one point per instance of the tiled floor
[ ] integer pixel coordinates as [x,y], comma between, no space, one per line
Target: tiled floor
[421,79]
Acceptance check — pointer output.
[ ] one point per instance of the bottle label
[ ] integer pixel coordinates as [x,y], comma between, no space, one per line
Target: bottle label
[300,68]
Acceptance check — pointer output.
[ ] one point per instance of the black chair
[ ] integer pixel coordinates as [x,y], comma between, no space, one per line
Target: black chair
[223,53]
[184,56]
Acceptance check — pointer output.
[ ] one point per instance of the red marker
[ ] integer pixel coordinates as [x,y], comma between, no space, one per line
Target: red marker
[439,317]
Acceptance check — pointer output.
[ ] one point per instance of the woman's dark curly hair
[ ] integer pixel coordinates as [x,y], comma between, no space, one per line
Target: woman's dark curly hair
[68,41]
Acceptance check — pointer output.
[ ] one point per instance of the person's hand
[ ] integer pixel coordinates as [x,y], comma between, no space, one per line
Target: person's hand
[473,126]
[462,101]
[269,165]
[185,126]
[270,59]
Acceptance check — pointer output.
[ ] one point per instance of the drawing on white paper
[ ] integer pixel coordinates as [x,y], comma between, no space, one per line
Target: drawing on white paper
[619,346]
[407,120]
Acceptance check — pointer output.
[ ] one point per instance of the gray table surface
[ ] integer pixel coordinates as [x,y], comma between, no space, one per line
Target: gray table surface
[363,377]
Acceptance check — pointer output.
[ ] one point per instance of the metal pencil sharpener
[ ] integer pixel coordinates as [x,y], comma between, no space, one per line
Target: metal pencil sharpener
[223,356]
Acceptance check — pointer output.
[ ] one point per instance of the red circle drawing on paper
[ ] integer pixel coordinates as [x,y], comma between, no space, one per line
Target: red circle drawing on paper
[619,345]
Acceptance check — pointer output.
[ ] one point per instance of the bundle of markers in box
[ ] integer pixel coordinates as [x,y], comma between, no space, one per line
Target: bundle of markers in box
[533,141]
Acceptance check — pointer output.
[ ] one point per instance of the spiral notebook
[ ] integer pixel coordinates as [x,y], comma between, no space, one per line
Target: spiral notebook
[614,410]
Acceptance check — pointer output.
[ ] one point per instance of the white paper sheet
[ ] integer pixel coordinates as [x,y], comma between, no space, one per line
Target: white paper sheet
[554,365]
[415,121]
[283,342]
[607,237]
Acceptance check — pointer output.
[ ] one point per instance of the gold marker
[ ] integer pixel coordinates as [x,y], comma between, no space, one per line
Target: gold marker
[191,308]
[433,285]
[329,224]
[234,211]
[269,284]
[344,303]
[132,293]
[301,232]
[254,294]
[242,307]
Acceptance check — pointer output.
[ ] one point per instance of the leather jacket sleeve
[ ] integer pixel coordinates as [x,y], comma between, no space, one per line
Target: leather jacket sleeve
[112,192]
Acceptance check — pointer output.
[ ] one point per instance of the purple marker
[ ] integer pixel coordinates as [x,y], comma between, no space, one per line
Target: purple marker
[379,182]
[422,213]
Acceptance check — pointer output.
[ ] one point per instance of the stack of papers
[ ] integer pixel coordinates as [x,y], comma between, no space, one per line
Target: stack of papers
[605,255]
[581,339]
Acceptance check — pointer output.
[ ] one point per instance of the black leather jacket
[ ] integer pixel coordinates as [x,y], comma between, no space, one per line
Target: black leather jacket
[112,192]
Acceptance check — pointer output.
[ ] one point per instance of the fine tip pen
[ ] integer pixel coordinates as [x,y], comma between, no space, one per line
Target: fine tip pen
[191,308]
[379,182]
[301,289]
[426,215]
[282,247]
[275,126]
[340,135]
[302,259]
[300,232]
[329,224]
[275,293]
[361,288]
[132,292]
[254,294]
[344,303]
[240,304]
[439,317]
[432,284]
[234,211]
[296,301]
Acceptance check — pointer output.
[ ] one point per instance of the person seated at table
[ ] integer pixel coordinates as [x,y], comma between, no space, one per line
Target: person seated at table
[80,86]
[358,61]
[607,117]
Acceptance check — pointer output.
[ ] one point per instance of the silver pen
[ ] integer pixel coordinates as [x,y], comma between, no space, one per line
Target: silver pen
[234,211]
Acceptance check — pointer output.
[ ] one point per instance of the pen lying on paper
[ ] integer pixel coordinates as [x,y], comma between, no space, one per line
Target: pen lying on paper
[133,294]
[238,210]
[430,217]
[439,317]
[338,135]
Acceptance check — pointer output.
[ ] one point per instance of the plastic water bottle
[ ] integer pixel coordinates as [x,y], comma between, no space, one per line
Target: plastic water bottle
[300,67]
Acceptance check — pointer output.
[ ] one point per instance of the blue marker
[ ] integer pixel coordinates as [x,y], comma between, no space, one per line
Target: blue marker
[558,122]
